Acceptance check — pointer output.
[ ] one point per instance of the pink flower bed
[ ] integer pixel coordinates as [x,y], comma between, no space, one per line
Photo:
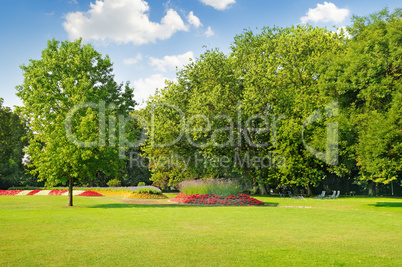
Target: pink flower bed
[237,200]
[57,192]
[33,192]
[90,194]
[48,193]
[9,192]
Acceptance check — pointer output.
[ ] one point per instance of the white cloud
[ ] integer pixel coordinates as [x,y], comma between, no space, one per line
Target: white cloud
[132,60]
[121,21]
[144,88]
[327,12]
[193,20]
[209,32]
[171,62]
[219,4]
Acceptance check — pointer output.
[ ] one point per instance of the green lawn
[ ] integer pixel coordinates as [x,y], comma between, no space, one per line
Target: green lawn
[100,231]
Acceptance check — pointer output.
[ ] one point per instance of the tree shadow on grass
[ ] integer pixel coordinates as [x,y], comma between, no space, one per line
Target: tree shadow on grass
[129,205]
[125,206]
[387,204]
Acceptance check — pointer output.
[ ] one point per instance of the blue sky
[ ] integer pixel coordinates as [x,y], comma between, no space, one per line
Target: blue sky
[146,40]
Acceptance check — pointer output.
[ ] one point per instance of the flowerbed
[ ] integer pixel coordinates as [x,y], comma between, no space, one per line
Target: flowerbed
[47,193]
[112,193]
[232,200]
[57,192]
[146,195]
[9,192]
[89,194]
[33,192]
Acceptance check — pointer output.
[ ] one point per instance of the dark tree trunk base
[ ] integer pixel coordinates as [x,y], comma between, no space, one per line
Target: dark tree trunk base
[70,193]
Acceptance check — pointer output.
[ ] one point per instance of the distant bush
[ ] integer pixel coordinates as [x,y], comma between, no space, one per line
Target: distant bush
[146,195]
[149,190]
[219,187]
[114,183]
[26,188]
[141,184]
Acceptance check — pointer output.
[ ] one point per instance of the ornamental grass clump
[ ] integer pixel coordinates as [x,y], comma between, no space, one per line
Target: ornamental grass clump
[219,187]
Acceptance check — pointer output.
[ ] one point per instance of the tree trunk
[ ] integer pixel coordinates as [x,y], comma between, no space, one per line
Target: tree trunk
[263,190]
[309,190]
[70,193]
[370,186]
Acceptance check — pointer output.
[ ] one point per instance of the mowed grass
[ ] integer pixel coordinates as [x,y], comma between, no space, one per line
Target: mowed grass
[101,231]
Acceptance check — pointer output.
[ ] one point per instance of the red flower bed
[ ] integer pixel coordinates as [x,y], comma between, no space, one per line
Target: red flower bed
[33,192]
[57,192]
[90,194]
[9,192]
[238,200]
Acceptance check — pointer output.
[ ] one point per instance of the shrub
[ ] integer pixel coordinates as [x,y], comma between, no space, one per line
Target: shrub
[146,195]
[219,187]
[114,183]
[141,184]
[149,190]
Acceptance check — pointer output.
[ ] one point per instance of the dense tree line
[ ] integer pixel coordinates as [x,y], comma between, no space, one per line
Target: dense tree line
[312,103]
[13,138]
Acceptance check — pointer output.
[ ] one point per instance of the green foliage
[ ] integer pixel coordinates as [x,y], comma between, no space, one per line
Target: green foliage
[114,183]
[272,74]
[219,187]
[26,188]
[286,75]
[13,138]
[141,184]
[149,190]
[68,75]
[366,78]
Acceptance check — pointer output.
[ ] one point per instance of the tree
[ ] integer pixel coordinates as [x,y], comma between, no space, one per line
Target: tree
[280,69]
[366,79]
[12,131]
[205,97]
[68,94]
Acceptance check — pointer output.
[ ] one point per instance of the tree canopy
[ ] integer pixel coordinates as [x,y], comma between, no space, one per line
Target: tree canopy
[13,132]
[316,101]
[67,96]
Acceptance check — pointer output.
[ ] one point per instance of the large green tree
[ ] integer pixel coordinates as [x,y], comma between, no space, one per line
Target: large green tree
[13,132]
[280,69]
[191,121]
[366,78]
[68,95]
